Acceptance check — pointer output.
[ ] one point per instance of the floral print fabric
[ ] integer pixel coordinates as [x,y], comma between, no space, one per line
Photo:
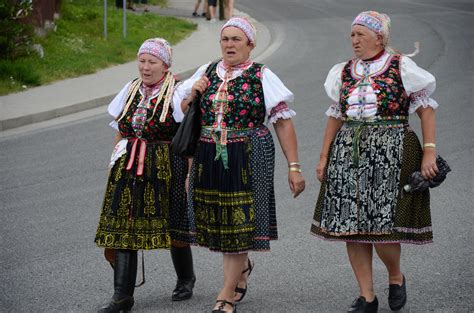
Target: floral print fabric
[246,105]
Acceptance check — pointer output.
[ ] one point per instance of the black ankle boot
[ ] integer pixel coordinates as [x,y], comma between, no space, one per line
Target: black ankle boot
[125,274]
[183,264]
[360,305]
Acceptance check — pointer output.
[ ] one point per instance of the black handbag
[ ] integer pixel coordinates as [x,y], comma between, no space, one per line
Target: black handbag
[185,140]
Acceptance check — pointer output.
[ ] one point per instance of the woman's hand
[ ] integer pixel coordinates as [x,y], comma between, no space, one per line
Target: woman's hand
[296,182]
[199,86]
[428,164]
[323,160]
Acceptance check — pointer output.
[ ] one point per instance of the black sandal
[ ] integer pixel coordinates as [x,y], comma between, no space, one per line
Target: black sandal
[221,307]
[243,291]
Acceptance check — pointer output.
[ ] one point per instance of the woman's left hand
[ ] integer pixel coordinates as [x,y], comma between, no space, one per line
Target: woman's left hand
[428,164]
[296,182]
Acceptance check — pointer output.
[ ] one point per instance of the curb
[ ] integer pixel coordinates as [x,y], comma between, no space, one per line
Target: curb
[54,113]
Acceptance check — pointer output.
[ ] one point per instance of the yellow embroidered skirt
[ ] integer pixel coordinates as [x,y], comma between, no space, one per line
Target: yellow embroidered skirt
[145,211]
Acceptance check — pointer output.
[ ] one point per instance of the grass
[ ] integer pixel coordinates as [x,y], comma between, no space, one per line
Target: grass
[78,46]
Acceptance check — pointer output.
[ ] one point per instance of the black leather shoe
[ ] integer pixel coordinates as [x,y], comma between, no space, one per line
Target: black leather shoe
[118,305]
[397,295]
[183,289]
[360,305]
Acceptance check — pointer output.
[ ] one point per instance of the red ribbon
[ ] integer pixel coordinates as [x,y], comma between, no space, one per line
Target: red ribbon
[141,155]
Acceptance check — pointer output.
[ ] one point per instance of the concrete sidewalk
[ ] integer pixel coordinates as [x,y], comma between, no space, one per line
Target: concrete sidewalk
[90,91]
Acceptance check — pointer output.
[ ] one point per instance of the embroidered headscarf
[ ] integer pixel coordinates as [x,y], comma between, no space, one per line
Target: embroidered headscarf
[375,21]
[244,25]
[157,47]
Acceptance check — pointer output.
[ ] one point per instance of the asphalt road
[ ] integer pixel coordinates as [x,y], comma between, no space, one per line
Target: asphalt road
[52,183]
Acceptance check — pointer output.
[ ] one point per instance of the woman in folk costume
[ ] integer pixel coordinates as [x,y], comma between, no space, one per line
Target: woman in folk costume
[145,203]
[368,153]
[231,179]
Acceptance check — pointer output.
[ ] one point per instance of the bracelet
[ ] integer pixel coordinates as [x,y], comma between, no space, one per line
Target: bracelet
[429,145]
[295,169]
[187,175]
[294,163]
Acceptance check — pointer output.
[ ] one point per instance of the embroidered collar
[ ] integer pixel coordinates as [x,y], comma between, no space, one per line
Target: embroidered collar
[375,57]
[229,72]
[150,91]
[374,68]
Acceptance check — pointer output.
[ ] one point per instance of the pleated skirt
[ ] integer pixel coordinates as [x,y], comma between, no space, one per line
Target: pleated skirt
[145,211]
[233,210]
[366,203]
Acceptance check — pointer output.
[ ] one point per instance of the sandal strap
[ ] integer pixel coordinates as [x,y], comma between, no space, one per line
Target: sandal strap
[241,290]
[249,267]
[224,302]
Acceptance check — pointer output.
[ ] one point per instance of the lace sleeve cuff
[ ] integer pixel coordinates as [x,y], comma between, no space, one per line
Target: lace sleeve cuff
[421,99]
[334,110]
[280,111]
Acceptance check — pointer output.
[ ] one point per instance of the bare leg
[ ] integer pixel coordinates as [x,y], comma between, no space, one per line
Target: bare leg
[226,9]
[196,6]
[232,272]
[243,277]
[230,10]
[360,256]
[212,12]
[390,256]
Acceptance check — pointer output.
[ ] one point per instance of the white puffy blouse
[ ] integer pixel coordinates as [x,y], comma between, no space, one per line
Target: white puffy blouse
[274,91]
[418,83]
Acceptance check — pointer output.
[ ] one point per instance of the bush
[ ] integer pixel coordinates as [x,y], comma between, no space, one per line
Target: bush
[15,36]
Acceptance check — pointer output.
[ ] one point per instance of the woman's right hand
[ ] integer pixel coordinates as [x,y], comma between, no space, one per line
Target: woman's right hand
[200,86]
[320,168]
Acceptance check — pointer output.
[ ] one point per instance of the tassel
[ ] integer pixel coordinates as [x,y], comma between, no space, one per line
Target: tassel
[132,91]
[417,50]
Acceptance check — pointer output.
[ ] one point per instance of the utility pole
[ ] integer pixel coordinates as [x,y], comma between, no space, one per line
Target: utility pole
[124,3]
[105,19]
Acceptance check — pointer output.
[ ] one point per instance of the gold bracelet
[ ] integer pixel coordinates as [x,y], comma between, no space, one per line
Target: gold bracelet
[429,145]
[295,169]
[294,163]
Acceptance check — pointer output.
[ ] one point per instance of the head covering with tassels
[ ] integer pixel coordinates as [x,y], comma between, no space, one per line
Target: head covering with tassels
[244,25]
[375,21]
[159,48]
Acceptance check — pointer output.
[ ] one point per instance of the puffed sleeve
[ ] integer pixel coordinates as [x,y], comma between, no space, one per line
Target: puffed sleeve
[117,104]
[183,91]
[332,85]
[276,97]
[419,85]
[176,104]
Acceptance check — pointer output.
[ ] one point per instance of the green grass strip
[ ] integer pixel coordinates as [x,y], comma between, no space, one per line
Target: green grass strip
[78,46]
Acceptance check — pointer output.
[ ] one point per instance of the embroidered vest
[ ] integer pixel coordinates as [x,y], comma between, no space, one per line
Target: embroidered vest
[153,130]
[392,99]
[246,105]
